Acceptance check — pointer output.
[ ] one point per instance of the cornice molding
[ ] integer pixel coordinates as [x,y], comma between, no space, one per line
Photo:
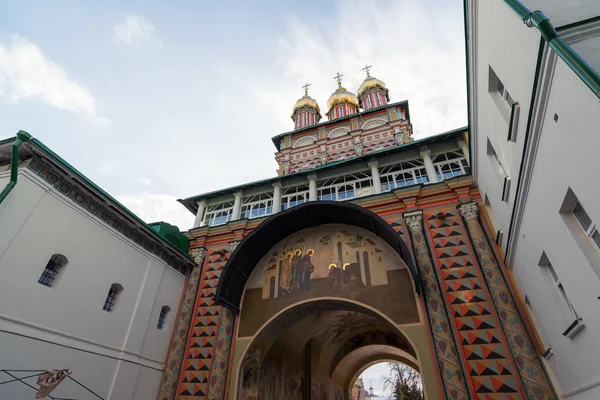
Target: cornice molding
[92,204]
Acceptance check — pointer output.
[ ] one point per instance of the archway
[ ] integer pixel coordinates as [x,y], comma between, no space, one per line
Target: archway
[318,305]
[314,349]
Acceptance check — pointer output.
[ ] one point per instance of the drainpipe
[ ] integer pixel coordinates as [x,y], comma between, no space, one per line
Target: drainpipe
[22,137]
[538,20]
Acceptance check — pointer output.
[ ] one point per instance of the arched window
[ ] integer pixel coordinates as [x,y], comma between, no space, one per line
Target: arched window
[50,273]
[111,298]
[162,318]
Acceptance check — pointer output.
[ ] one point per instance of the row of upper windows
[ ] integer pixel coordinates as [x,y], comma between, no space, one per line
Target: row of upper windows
[338,146]
[56,265]
[446,166]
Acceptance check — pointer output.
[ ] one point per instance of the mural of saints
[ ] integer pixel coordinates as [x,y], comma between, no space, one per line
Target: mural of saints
[329,259]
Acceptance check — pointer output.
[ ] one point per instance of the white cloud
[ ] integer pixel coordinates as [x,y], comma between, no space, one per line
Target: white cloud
[26,73]
[158,207]
[136,30]
[416,49]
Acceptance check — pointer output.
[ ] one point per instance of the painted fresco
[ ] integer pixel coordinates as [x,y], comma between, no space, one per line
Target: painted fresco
[332,260]
[279,376]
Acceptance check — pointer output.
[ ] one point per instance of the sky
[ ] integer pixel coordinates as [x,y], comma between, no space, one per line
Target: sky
[156,101]
[374,375]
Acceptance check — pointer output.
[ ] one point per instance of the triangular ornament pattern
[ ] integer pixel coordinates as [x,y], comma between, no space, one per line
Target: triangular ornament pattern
[477,331]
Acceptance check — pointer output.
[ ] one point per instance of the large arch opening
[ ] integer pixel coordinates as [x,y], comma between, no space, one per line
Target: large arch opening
[315,349]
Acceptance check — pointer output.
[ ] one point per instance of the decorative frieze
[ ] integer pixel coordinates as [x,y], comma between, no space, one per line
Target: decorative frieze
[91,203]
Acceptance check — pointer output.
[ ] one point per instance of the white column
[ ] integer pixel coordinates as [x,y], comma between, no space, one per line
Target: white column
[426,156]
[276,197]
[375,175]
[200,213]
[464,148]
[312,187]
[237,206]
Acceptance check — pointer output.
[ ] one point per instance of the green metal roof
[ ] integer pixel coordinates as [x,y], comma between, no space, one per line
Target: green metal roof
[277,138]
[167,233]
[191,202]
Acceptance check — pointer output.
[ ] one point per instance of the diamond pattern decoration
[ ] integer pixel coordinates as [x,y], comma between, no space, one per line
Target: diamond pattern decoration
[483,348]
[200,350]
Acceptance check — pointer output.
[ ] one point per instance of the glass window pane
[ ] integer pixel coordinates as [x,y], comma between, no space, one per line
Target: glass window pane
[582,216]
[595,236]
[551,269]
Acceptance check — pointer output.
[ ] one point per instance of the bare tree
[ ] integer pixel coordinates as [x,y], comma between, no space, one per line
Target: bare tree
[404,381]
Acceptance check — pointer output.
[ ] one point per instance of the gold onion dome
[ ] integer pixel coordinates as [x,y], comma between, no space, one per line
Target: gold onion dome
[369,82]
[306,100]
[341,95]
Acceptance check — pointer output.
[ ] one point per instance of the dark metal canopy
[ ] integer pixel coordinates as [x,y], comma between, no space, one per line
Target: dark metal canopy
[257,243]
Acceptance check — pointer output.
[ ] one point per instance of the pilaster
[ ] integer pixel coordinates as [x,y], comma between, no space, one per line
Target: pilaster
[181,329]
[445,347]
[533,375]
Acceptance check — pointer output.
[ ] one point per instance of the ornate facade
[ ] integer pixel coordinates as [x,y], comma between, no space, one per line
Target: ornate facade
[367,246]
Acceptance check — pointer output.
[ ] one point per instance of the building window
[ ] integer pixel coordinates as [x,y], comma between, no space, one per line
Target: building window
[586,224]
[162,318]
[499,169]
[583,228]
[497,87]
[345,187]
[218,214]
[404,174]
[293,196]
[111,298]
[451,164]
[257,206]
[50,273]
[576,324]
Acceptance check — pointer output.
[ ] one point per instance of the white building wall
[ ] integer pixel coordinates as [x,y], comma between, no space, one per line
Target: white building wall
[64,325]
[503,42]
[566,158]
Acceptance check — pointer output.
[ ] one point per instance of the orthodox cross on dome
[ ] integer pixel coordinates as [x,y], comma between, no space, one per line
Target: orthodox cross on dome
[305,87]
[338,78]
[367,68]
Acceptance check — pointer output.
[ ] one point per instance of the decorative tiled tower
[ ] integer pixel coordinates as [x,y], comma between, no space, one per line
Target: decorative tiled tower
[359,169]
[372,92]
[306,110]
[341,103]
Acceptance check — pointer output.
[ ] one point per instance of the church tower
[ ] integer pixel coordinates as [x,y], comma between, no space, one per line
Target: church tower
[341,103]
[370,388]
[306,111]
[372,92]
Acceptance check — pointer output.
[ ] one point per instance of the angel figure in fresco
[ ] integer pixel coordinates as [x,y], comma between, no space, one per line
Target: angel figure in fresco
[306,268]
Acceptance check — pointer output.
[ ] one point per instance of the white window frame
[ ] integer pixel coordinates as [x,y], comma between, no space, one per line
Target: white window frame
[454,160]
[257,206]
[218,214]
[294,196]
[395,175]
[163,318]
[591,229]
[576,323]
[358,184]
